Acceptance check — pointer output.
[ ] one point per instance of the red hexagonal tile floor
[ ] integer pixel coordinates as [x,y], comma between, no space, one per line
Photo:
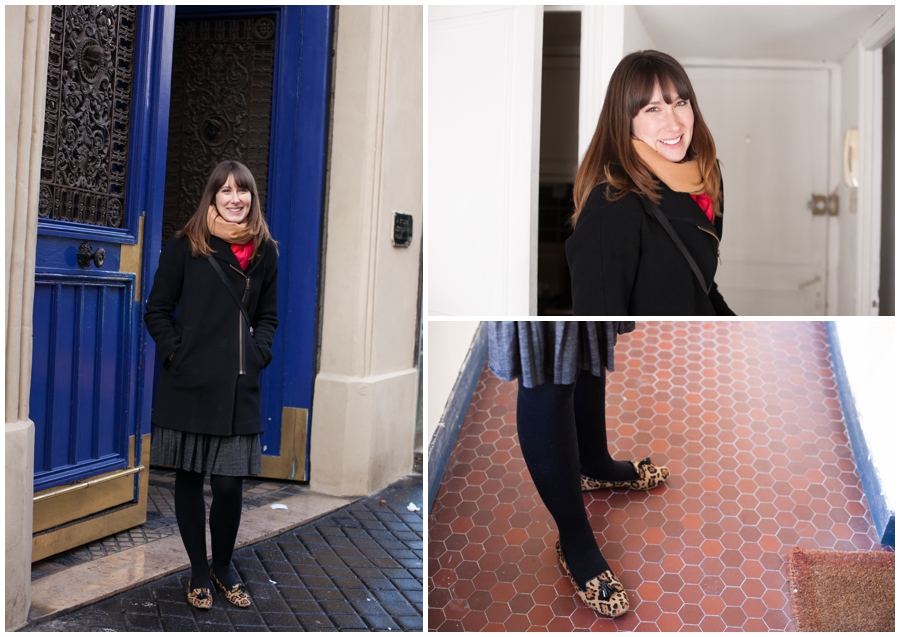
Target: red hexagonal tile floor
[747,418]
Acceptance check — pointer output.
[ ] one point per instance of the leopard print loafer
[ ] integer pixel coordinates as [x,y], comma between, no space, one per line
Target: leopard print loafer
[604,593]
[650,476]
[236,595]
[199,597]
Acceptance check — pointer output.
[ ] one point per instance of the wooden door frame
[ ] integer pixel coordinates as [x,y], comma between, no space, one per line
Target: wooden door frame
[868,251]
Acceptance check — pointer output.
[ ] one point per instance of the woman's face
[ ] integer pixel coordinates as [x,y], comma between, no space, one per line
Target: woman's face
[666,128]
[232,201]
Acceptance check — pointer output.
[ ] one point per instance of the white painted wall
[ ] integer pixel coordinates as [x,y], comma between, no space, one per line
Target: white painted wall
[484,79]
[869,350]
[636,36]
[848,219]
[448,343]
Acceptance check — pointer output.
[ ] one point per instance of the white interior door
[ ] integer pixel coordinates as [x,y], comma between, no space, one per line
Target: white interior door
[484,80]
[771,128]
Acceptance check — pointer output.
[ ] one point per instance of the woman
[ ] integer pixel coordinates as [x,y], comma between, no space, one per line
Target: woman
[220,274]
[561,422]
[651,149]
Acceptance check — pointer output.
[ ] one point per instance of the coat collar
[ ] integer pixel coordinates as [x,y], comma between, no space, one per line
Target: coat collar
[222,252]
[682,207]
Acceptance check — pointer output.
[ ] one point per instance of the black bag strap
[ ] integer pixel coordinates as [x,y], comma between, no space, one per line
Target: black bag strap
[230,289]
[658,214]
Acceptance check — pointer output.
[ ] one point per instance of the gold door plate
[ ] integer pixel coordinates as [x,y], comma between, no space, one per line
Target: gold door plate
[56,509]
[291,464]
[130,259]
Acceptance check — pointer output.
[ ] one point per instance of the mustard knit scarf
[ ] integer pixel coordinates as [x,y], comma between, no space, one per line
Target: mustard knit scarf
[226,230]
[681,177]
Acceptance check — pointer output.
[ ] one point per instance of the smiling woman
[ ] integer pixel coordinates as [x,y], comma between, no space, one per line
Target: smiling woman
[213,311]
[648,200]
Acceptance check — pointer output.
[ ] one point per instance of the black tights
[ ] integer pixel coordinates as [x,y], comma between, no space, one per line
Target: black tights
[562,432]
[224,520]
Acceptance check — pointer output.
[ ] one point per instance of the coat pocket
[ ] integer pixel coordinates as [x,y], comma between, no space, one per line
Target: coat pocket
[263,354]
[183,349]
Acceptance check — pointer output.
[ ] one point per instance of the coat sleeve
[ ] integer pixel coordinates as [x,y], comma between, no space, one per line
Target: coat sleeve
[164,296]
[603,255]
[265,319]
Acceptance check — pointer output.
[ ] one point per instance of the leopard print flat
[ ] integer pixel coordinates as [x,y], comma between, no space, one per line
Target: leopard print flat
[604,593]
[199,597]
[650,476]
[237,594]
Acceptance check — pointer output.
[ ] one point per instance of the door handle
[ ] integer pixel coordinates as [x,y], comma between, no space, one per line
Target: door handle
[86,255]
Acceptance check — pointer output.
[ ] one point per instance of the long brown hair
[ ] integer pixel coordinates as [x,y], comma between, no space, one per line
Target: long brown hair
[196,229]
[611,158]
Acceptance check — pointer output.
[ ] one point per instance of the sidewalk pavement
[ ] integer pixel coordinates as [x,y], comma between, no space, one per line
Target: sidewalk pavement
[358,568]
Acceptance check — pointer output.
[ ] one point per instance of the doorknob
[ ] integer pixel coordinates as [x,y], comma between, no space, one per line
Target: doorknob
[86,254]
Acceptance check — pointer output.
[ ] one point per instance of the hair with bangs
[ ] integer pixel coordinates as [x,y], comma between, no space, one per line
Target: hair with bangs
[611,158]
[196,229]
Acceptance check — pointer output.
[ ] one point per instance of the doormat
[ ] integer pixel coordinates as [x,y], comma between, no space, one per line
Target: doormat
[842,591]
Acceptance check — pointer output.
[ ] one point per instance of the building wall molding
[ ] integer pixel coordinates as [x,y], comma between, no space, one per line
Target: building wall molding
[27,34]
[364,404]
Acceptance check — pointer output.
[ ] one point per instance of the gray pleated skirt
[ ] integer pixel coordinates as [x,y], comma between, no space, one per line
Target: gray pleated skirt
[221,455]
[552,351]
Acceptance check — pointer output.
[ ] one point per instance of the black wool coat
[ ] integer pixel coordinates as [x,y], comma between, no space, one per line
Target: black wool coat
[624,263]
[211,383]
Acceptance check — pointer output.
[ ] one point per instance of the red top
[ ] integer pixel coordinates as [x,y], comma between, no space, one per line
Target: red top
[244,252]
[705,204]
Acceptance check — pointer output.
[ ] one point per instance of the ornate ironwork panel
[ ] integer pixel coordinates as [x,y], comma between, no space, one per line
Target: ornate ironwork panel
[221,108]
[89,78]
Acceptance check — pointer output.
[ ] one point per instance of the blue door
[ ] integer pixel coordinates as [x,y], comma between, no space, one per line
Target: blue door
[251,84]
[103,161]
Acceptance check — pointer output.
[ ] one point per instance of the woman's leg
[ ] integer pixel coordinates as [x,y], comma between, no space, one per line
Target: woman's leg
[190,512]
[546,425]
[224,520]
[590,422]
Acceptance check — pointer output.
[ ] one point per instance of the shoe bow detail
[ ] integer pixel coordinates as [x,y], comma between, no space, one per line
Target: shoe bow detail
[606,591]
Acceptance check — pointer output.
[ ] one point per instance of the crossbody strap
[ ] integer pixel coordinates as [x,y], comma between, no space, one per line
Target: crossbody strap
[654,211]
[231,291]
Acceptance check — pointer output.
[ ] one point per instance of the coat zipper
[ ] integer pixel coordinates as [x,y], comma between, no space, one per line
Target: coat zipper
[241,371]
[713,234]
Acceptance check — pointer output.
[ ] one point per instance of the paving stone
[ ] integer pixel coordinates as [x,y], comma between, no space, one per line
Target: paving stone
[315,589]
[380,622]
[346,622]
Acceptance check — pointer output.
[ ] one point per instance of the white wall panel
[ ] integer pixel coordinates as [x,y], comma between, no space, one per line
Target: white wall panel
[484,75]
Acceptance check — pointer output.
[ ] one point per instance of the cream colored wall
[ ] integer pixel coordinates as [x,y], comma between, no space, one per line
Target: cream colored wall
[448,345]
[27,32]
[364,407]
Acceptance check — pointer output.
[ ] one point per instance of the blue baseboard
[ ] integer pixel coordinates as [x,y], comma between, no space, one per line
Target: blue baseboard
[882,513]
[444,439]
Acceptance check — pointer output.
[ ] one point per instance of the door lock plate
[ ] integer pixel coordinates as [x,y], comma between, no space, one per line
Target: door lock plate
[824,204]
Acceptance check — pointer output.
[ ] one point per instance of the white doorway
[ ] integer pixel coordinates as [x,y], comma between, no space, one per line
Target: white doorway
[771,127]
